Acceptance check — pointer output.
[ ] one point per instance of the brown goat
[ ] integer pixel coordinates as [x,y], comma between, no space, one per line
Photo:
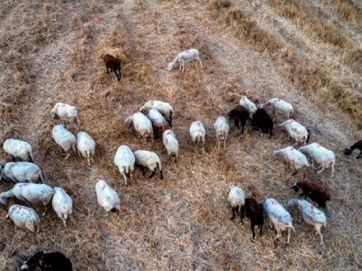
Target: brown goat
[255,212]
[315,192]
[114,64]
[240,115]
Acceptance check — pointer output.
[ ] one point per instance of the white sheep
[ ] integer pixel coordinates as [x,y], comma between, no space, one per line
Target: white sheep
[62,204]
[236,198]
[186,56]
[221,128]
[280,107]
[322,156]
[148,159]
[21,172]
[86,146]
[18,149]
[159,123]
[29,192]
[24,217]
[66,113]
[197,133]
[294,158]
[164,108]
[311,215]
[170,142]
[125,161]
[142,125]
[278,216]
[107,198]
[249,105]
[64,138]
[296,131]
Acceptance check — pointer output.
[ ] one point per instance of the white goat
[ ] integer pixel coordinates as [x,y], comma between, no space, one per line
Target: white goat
[197,134]
[21,172]
[64,138]
[296,131]
[29,192]
[171,144]
[18,149]
[164,108]
[66,113]
[280,107]
[62,204]
[186,56]
[311,215]
[125,160]
[322,156]
[294,158]
[141,125]
[148,159]
[24,217]
[249,105]
[107,198]
[221,128]
[278,216]
[159,123]
[236,198]
[86,146]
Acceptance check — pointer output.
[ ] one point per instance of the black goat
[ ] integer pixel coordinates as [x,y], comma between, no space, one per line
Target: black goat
[357,145]
[240,115]
[48,261]
[261,120]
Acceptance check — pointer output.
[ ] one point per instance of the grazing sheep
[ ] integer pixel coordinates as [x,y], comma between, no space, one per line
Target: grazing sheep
[148,159]
[294,158]
[86,146]
[311,215]
[186,56]
[114,64]
[262,120]
[249,105]
[24,217]
[221,128]
[159,123]
[240,115]
[141,125]
[164,108]
[255,212]
[280,107]
[21,172]
[62,204]
[48,260]
[315,192]
[18,149]
[357,145]
[29,192]
[322,156]
[171,144]
[64,138]
[296,131]
[197,133]
[125,161]
[236,198]
[66,113]
[107,198]
[278,217]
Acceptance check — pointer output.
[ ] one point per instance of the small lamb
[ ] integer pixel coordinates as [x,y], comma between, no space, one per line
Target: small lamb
[280,107]
[171,144]
[186,56]
[24,217]
[197,133]
[249,105]
[18,149]
[86,146]
[164,108]
[221,128]
[62,204]
[236,198]
[141,125]
[107,198]
[148,159]
[296,131]
[66,113]
[125,161]
[21,172]
[65,139]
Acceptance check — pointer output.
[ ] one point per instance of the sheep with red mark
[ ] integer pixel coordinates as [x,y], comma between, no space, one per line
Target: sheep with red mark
[279,217]
[350,149]
[18,149]
[280,107]
[114,64]
[197,133]
[186,56]
[150,160]
[315,192]
[62,204]
[255,212]
[294,158]
[311,215]
[125,161]
[21,172]
[141,125]
[67,113]
[261,120]
[249,105]
[159,123]
[221,128]
[296,131]
[86,146]
[240,115]
[320,155]
[170,142]
[107,197]
[164,108]
[47,260]
[24,217]
[236,198]
[65,139]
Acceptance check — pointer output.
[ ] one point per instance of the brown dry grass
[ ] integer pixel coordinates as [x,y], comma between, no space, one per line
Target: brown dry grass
[306,52]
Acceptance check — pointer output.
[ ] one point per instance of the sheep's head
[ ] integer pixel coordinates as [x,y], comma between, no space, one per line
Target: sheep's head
[348,151]
[295,187]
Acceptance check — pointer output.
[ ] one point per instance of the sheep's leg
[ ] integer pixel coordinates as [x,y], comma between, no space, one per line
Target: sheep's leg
[143,169]
[161,175]
[67,157]
[304,172]
[261,228]
[332,170]
[242,214]
[198,59]
[232,218]
[64,222]
[153,173]
[125,178]
[224,143]
[253,232]
[318,230]
[289,233]
[323,168]
[359,156]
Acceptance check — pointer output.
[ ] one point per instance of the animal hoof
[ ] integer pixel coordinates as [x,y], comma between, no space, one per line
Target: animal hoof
[252,240]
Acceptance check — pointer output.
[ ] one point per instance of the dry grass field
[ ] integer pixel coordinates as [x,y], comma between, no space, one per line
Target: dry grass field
[306,52]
